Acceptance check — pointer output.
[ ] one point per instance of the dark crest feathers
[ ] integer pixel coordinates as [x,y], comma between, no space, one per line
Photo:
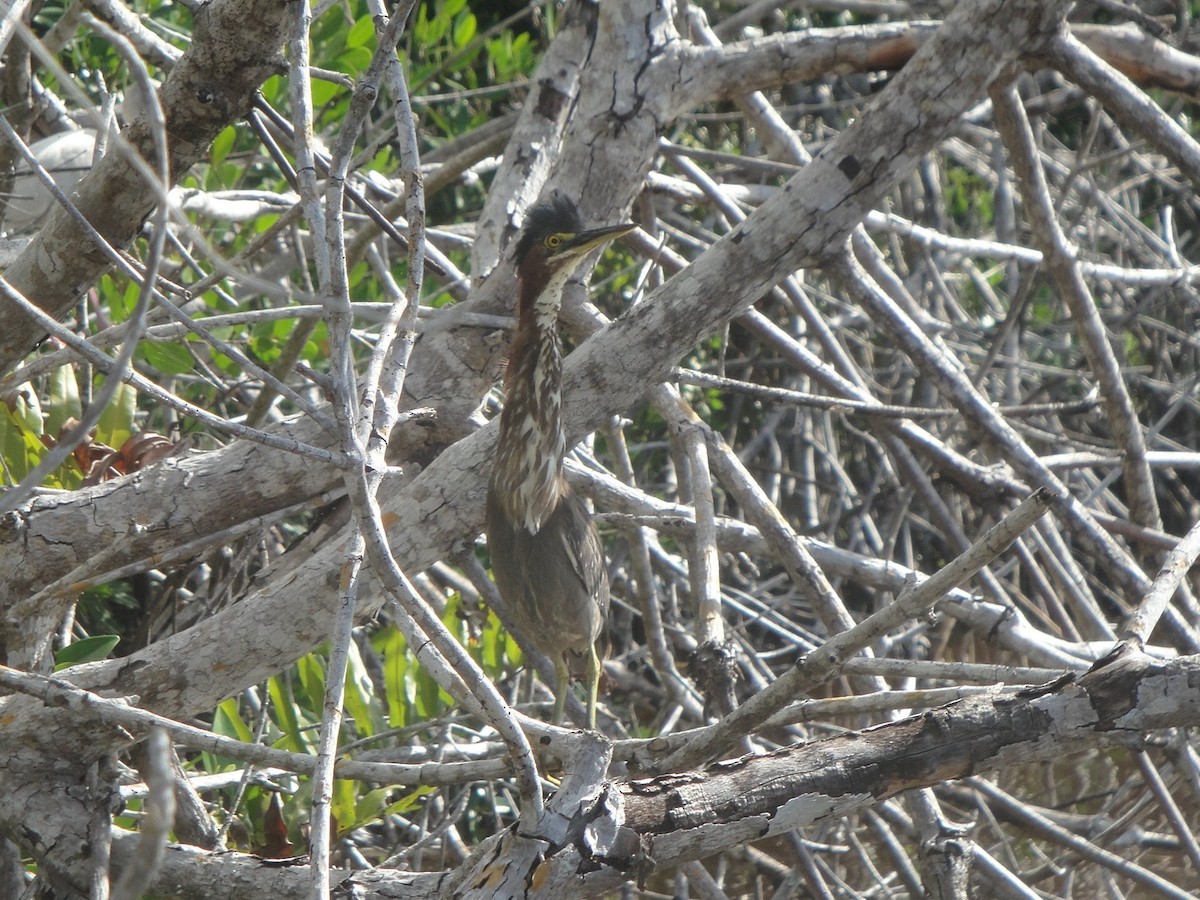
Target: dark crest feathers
[558,213]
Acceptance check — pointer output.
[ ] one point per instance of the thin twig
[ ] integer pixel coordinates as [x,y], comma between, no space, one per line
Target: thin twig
[827,659]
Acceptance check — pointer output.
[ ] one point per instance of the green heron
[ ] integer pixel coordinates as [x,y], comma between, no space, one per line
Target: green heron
[547,557]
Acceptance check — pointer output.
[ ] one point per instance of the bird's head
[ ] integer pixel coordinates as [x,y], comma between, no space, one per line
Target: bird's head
[554,242]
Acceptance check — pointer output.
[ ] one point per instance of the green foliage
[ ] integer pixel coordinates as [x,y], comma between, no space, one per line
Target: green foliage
[1135,352]
[117,421]
[409,696]
[450,47]
[107,608]
[167,358]
[222,145]
[510,56]
[20,434]
[391,646]
[86,650]
[62,402]
[1046,308]
[968,200]
[290,710]
[227,722]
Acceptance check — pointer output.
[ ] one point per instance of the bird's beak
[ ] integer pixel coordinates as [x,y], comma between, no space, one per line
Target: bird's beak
[588,240]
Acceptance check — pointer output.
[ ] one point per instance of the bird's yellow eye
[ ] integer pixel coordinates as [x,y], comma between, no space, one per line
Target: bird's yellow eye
[553,241]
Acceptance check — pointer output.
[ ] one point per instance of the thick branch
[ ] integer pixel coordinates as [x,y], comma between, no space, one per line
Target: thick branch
[651,824]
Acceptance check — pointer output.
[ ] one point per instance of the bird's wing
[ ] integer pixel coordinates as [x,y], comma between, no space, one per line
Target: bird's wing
[586,551]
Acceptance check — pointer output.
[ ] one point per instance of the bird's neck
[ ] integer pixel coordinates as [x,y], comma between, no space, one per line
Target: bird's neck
[527,475]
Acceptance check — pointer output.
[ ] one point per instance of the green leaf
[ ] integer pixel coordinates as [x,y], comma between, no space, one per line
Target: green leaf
[120,301]
[344,805]
[168,358]
[64,400]
[371,807]
[310,669]
[428,695]
[407,804]
[492,649]
[323,92]
[86,650]
[395,678]
[116,422]
[222,144]
[513,650]
[368,808]
[464,30]
[27,409]
[284,707]
[359,697]
[452,616]
[361,32]
[274,89]
[420,28]
[20,448]
[228,721]
[262,223]
[354,61]
[436,29]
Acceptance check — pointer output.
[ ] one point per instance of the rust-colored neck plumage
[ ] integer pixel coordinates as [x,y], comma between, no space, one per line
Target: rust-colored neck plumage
[527,475]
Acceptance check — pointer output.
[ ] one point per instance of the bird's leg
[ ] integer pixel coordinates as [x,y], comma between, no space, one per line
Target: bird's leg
[593,675]
[560,690]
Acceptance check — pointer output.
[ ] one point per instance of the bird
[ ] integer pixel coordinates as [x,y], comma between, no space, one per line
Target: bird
[547,556]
